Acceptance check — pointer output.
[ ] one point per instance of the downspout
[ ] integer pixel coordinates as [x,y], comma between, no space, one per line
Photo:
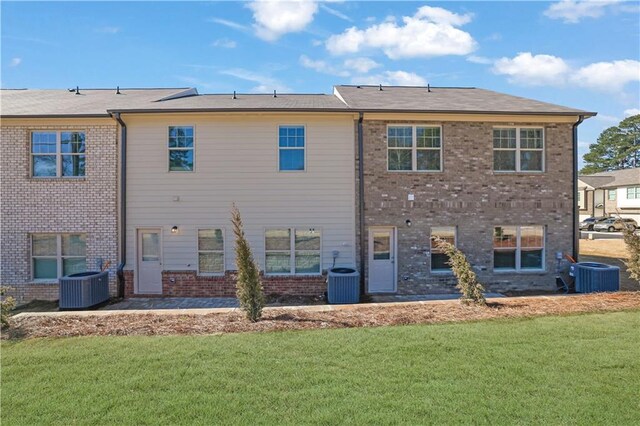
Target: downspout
[123,202]
[361,199]
[576,231]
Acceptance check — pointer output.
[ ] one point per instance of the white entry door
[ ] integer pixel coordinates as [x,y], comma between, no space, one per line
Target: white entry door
[382,260]
[149,262]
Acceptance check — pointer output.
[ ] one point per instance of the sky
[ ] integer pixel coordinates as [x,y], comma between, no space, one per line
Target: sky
[582,54]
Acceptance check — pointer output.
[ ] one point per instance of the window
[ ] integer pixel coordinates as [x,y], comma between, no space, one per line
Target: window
[414,148]
[439,260]
[579,196]
[518,248]
[57,154]
[291,148]
[612,194]
[180,148]
[54,256]
[210,251]
[292,251]
[633,193]
[518,149]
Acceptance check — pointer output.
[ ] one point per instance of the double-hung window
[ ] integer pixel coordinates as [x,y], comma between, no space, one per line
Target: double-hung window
[414,148]
[633,193]
[292,251]
[612,194]
[518,149]
[518,248]
[439,260]
[291,145]
[57,154]
[57,255]
[181,148]
[211,251]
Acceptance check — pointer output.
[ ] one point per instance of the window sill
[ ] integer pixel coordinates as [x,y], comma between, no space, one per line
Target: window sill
[520,272]
[292,275]
[510,172]
[415,171]
[209,275]
[58,178]
[43,281]
[442,273]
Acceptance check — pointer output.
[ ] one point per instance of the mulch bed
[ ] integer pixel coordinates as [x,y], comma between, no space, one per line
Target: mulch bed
[277,319]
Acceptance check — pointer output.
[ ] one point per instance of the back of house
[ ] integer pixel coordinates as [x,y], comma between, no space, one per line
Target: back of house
[141,182]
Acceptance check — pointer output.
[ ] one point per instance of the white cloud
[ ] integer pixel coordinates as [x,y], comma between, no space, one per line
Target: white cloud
[273,19]
[391,78]
[572,11]
[321,66]
[531,70]
[431,31]
[264,83]
[108,30]
[479,59]
[631,111]
[15,62]
[225,43]
[608,76]
[229,24]
[335,12]
[362,65]
[607,118]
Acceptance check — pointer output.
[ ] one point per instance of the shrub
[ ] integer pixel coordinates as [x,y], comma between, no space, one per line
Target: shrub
[7,303]
[249,288]
[467,280]
[632,240]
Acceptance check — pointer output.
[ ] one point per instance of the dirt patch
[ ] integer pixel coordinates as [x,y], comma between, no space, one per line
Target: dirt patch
[276,319]
[604,248]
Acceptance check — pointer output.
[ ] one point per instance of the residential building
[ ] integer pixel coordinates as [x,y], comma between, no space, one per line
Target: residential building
[614,193]
[144,179]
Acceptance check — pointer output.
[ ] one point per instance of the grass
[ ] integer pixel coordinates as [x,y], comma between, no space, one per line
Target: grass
[580,369]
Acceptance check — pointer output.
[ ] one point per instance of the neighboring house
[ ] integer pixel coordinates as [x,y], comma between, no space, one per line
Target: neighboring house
[610,194]
[145,178]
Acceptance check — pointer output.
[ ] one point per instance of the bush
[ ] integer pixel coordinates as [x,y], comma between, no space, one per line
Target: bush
[249,287]
[632,240]
[467,280]
[7,303]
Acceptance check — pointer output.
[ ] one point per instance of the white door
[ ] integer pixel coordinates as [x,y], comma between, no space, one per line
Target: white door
[149,262]
[382,260]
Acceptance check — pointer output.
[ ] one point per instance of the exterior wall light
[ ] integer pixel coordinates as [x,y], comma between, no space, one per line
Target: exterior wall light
[408,222]
[174,230]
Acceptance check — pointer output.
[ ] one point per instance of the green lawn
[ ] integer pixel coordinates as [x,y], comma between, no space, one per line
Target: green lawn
[581,369]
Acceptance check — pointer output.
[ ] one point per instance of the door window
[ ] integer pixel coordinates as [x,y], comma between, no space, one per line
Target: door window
[150,247]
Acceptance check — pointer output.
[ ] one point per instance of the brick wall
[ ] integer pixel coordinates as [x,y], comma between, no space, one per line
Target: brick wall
[31,205]
[190,284]
[469,195]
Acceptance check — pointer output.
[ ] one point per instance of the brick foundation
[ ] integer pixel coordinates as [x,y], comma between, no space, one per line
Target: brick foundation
[190,284]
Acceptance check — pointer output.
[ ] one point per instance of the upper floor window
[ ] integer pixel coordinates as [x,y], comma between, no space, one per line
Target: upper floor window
[180,148]
[518,248]
[414,148]
[291,144]
[292,251]
[612,194]
[210,251]
[518,149]
[439,260]
[633,193]
[57,255]
[57,154]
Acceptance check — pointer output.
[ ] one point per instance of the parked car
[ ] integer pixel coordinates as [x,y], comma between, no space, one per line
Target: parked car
[614,224]
[587,224]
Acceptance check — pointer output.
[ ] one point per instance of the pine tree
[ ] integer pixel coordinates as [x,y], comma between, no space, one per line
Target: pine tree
[467,280]
[248,285]
[617,148]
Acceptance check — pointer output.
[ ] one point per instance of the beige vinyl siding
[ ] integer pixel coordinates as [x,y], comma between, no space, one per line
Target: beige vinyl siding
[236,160]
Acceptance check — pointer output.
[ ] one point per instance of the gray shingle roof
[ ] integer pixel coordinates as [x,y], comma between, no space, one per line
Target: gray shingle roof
[445,99]
[612,179]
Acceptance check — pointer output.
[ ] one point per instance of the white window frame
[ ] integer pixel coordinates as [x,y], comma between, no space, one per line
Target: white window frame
[611,192]
[169,149]
[636,192]
[291,251]
[224,247]
[414,148]
[58,154]
[59,257]
[518,253]
[518,149]
[304,148]
[455,243]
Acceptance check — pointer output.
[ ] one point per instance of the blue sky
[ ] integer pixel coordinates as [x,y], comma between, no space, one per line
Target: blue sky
[577,53]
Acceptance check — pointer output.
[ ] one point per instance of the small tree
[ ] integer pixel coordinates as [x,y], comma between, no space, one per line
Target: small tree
[467,280]
[7,303]
[248,285]
[632,240]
